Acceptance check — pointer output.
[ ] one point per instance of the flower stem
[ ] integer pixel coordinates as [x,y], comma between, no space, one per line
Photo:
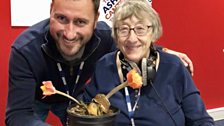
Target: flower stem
[116,89]
[68,96]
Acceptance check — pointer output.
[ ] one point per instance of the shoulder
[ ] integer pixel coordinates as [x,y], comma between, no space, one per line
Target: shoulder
[171,63]
[32,34]
[101,25]
[107,60]
[103,33]
[103,30]
[166,58]
[173,72]
[108,57]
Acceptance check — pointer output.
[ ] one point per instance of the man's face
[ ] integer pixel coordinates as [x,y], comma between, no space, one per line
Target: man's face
[71,24]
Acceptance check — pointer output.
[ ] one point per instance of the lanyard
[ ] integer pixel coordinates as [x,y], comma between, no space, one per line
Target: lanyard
[128,102]
[64,80]
[123,68]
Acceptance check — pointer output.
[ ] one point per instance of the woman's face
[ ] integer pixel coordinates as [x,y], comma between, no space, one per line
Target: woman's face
[133,46]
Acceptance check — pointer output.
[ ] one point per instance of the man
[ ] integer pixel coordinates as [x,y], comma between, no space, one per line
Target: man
[63,49]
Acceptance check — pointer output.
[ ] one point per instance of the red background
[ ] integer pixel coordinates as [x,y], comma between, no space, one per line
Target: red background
[195,27]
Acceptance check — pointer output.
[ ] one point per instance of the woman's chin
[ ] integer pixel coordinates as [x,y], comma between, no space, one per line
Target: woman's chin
[134,59]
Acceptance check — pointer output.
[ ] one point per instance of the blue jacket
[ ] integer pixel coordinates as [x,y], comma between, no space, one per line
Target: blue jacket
[175,98]
[33,60]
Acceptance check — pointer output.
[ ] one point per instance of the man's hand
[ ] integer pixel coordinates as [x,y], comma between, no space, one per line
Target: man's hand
[184,58]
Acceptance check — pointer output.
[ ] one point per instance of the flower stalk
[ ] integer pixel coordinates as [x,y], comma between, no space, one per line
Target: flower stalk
[48,89]
[134,80]
[68,96]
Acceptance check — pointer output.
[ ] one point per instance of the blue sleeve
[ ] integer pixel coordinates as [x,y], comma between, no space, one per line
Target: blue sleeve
[192,103]
[21,93]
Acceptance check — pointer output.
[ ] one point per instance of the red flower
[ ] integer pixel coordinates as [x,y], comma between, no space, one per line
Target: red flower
[134,79]
[48,88]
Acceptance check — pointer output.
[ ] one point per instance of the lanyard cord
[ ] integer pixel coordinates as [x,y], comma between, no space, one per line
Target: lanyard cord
[64,80]
[123,68]
[128,102]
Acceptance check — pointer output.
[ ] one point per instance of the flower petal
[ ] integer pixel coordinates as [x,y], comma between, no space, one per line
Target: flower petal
[48,88]
[134,79]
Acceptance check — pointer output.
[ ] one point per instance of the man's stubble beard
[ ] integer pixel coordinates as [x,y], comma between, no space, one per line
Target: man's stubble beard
[77,55]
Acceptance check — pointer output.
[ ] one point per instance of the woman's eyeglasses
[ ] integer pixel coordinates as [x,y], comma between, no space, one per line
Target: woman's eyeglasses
[139,30]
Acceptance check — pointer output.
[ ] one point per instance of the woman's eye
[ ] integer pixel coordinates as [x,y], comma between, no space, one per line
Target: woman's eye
[124,29]
[139,28]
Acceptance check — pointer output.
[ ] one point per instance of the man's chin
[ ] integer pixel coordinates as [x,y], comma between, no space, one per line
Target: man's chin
[69,57]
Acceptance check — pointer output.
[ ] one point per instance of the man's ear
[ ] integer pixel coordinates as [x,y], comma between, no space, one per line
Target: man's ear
[96,18]
[51,7]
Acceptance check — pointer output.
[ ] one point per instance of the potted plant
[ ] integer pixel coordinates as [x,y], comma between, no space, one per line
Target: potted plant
[99,112]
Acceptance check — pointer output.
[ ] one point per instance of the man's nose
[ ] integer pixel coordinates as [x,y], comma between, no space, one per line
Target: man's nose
[70,31]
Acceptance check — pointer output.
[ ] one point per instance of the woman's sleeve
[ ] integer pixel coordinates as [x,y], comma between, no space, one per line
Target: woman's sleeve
[192,103]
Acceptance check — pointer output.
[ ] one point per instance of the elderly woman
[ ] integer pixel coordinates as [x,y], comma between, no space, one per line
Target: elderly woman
[168,96]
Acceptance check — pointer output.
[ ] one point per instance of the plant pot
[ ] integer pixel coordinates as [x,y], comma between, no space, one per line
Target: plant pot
[86,120]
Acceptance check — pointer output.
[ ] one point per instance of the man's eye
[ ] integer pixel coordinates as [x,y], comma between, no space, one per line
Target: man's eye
[61,19]
[80,23]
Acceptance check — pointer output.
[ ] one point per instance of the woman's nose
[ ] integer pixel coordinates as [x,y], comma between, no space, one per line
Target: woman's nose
[132,36]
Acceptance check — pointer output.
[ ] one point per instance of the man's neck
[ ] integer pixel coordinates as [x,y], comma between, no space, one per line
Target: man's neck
[77,56]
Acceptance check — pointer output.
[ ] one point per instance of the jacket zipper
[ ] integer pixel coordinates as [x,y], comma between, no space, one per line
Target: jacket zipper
[71,70]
